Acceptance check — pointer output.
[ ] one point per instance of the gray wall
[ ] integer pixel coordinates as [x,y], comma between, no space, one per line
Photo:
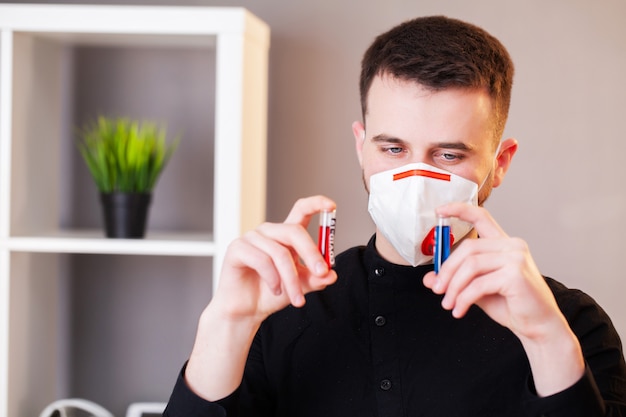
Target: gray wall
[564,193]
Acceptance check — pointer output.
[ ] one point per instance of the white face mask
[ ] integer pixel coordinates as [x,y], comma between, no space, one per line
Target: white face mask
[402,203]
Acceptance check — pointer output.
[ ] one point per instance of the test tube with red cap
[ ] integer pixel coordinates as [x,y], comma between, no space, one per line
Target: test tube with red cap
[326,237]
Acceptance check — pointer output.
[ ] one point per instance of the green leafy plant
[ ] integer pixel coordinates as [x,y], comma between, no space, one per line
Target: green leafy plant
[125,155]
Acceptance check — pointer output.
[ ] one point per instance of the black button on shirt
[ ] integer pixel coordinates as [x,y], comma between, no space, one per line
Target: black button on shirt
[385,385]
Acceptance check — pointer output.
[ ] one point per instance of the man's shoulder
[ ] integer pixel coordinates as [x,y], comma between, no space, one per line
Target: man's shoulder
[569,298]
[583,313]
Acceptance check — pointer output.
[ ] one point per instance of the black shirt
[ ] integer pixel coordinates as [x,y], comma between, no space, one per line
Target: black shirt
[378,343]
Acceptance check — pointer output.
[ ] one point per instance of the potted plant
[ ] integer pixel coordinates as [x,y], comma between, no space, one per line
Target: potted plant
[125,158]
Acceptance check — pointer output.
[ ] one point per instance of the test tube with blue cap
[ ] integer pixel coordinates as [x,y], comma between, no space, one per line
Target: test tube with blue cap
[442,242]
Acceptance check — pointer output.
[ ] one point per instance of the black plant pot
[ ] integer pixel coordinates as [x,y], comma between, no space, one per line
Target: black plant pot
[125,214]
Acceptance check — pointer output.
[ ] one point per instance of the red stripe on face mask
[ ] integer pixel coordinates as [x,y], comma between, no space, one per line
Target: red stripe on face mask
[421,173]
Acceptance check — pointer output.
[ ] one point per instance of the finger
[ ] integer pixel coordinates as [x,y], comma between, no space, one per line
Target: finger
[478,292]
[479,217]
[297,239]
[283,243]
[463,256]
[276,266]
[430,281]
[513,273]
[472,268]
[297,280]
[310,282]
[305,208]
[272,261]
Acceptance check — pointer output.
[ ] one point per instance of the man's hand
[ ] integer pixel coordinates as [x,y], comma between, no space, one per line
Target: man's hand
[274,265]
[497,273]
[264,271]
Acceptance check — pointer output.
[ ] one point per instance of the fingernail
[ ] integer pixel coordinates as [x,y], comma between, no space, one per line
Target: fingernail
[299,301]
[321,268]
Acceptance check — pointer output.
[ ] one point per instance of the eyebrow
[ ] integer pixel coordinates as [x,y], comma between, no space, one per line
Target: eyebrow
[462,146]
[386,138]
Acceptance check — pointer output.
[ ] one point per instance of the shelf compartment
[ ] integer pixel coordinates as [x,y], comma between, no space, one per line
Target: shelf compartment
[40,269]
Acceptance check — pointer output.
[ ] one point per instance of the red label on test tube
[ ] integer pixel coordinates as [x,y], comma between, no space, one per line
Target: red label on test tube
[326,238]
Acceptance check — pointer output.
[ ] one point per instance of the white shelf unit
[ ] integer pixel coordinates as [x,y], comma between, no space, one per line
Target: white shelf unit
[30,161]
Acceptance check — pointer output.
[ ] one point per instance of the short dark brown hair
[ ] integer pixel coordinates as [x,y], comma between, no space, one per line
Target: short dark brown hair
[440,53]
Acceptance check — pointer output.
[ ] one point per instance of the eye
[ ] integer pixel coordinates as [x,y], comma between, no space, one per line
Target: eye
[449,157]
[395,150]
[392,150]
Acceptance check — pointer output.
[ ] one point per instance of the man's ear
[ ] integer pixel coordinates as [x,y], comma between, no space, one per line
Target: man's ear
[506,151]
[358,130]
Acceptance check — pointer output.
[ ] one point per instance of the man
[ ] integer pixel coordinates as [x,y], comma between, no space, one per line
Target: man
[383,334]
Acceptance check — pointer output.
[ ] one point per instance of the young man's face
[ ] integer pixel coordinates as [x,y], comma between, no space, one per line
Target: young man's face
[449,129]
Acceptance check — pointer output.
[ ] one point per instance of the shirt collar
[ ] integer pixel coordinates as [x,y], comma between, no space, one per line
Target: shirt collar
[381,271]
